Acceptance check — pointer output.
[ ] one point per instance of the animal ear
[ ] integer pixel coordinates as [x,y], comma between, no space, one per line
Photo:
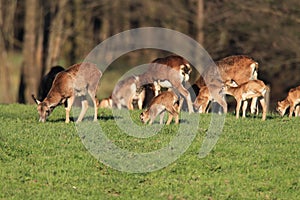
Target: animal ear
[35,100]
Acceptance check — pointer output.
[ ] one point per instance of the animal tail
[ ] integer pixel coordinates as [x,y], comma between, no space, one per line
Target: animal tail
[254,69]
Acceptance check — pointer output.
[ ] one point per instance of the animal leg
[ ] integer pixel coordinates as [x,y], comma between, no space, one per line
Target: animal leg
[238,106]
[161,118]
[292,108]
[204,107]
[119,106]
[95,110]
[176,117]
[180,105]
[84,107]
[153,112]
[130,101]
[221,100]
[116,102]
[253,105]
[170,117]
[95,102]
[140,104]
[297,111]
[245,105]
[70,102]
[151,121]
[187,97]
[264,108]
[172,113]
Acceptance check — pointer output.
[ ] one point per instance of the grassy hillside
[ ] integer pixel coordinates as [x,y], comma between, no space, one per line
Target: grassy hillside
[252,160]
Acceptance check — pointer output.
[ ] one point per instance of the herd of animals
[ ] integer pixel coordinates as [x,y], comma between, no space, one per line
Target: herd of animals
[161,88]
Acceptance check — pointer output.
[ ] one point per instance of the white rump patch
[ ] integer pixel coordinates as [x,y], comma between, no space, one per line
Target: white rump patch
[133,87]
[253,70]
[165,84]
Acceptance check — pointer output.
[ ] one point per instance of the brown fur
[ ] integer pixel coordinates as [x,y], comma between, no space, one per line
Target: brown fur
[292,100]
[165,101]
[78,80]
[175,62]
[248,90]
[105,103]
[202,100]
[239,68]
[170,71]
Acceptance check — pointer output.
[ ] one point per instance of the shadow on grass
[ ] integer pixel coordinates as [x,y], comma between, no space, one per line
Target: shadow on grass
[88,118]
[60,120]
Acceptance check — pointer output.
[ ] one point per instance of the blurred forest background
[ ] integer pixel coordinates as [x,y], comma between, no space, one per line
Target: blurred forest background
[37,34]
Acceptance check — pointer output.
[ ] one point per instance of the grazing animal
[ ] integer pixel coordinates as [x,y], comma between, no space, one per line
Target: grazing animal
[202,100]
[239,68]
[77,81]
[169,72]
[248,90]
[126,91]
[165,101]
[206,95]
[105,103]
[292,100]
[47,81]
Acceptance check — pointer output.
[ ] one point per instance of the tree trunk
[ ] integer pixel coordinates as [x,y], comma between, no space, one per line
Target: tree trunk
[4,77]
[7,11]
[29,73]
[200,21]
[40,44]
[56,35]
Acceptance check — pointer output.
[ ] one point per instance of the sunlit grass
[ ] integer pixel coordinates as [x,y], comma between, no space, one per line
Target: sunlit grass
[251,160]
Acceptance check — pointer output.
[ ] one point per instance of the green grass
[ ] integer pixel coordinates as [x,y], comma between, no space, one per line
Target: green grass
[252,159]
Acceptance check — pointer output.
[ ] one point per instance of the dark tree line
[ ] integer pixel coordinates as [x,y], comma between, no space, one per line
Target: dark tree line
[47,33]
